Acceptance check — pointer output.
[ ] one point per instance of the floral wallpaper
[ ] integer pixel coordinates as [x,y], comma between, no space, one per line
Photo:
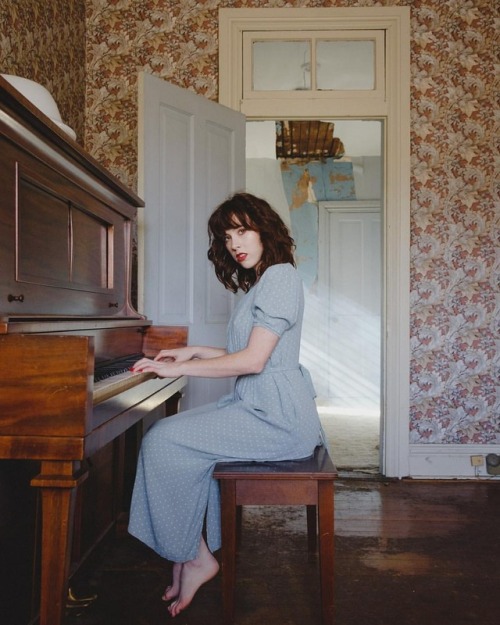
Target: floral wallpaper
[455,206]
[455,231]
[455,211]
[44,40]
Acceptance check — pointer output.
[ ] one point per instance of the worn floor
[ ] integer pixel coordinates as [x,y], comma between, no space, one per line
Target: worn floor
[407,553]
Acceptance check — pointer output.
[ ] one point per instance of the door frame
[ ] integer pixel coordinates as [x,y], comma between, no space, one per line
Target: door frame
[394,109]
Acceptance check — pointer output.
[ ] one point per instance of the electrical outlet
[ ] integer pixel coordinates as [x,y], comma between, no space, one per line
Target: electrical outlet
[477,461]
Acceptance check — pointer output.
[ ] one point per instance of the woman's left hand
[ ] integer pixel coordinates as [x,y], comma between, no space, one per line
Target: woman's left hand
[162,368]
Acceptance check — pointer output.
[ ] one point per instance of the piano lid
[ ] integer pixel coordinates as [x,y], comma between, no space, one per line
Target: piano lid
[23,116]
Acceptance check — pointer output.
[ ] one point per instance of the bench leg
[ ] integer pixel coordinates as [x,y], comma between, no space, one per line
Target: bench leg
[228,557]
[312,542]
[326,546]
[239,523]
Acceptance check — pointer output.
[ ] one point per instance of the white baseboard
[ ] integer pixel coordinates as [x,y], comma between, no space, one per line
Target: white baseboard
[450,461]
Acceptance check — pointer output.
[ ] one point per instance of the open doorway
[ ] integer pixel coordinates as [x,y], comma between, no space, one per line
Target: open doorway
[333,206]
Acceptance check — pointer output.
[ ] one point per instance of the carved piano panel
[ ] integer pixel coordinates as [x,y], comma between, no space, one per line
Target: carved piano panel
[64,239]
[60,243]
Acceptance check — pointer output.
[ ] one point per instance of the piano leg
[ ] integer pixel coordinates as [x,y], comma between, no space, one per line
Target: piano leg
[57,482]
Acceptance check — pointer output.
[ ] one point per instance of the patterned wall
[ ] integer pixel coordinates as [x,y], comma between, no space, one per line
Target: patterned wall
[44,40]
[455,207]
[455,211]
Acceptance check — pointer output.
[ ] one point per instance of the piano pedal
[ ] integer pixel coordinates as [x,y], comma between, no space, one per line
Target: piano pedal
[74,602]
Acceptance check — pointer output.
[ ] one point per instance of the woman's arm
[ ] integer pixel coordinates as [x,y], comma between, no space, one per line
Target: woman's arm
[182,354]
[251,359]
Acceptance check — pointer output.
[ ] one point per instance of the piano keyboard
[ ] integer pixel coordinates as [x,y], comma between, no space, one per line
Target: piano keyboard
[115,367]
[115,377]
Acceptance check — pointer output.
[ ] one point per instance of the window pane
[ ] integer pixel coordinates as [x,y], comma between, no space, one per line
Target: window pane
[345,65]
[281,65]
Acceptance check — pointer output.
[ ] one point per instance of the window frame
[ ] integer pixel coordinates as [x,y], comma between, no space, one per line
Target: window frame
[377,37]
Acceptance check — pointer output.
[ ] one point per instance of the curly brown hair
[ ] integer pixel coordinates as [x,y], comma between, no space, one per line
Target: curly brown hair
[253,213]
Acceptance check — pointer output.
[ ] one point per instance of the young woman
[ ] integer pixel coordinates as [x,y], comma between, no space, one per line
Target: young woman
[270,415]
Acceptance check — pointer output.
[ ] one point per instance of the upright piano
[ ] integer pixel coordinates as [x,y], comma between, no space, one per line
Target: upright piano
[68,330]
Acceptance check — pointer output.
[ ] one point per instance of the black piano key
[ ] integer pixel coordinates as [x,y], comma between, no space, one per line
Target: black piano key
[115,367]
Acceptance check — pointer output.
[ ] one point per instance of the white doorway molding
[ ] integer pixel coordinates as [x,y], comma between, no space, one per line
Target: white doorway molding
[394,108]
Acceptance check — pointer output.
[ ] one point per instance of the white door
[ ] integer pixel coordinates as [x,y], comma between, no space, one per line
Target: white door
[191,158]
[350,270]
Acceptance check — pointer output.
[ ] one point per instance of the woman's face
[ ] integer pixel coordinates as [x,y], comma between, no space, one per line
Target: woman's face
[244,246]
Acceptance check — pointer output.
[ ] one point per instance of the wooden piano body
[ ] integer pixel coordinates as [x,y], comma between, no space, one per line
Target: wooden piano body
[65,315]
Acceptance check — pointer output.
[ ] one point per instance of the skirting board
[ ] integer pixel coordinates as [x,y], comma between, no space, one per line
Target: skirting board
[450,461]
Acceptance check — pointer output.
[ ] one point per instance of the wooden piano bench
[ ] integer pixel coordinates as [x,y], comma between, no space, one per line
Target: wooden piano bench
[308,482]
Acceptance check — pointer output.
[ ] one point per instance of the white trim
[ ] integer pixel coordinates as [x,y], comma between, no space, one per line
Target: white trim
[351,205]
[449,461]
[394,108]
[141,185]
[396,386]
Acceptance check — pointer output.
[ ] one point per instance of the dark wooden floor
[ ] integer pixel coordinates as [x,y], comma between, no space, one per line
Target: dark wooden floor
[407,553]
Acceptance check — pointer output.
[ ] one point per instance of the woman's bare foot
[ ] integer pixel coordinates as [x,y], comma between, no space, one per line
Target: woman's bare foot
[172,591]
[194,574]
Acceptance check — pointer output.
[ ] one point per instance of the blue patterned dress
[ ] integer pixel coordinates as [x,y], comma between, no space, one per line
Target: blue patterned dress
[268,416]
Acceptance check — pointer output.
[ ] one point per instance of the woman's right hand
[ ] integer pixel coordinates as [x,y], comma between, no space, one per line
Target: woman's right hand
[180,354]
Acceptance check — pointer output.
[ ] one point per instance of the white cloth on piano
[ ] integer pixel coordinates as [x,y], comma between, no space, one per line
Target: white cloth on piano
[269,416]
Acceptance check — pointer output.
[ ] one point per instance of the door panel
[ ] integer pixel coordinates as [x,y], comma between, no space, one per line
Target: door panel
[351,273]
[191,158]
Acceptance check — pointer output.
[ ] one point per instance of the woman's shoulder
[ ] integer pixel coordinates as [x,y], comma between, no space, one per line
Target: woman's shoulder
[281,271]
[279,277]
[278,296]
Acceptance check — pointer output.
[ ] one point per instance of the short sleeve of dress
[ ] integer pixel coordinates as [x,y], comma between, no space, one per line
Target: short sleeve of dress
[277,298]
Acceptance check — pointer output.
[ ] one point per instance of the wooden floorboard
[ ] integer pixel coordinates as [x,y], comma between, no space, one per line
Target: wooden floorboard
[407,553]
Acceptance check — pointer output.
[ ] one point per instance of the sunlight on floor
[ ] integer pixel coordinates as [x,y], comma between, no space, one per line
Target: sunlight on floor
[353,436]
